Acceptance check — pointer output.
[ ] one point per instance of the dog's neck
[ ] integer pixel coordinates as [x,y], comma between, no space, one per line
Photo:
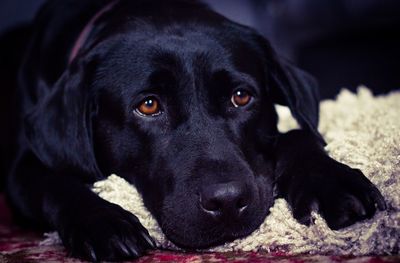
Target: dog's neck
[80,41]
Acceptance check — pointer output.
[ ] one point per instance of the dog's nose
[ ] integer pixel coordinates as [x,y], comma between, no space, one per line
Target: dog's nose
[226,200]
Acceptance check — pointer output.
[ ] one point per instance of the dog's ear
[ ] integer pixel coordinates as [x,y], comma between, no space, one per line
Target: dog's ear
[59,129]
[293,87]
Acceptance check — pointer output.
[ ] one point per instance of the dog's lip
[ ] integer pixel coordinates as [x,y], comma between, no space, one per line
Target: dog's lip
[222,236]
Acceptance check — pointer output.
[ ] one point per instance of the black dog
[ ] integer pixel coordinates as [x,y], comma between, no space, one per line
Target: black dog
[179,101]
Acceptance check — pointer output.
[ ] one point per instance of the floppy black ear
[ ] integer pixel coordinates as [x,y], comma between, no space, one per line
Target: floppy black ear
[59,128]
[293,87]
[298,90]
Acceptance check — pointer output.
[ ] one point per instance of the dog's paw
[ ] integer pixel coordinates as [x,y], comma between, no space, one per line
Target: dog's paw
[342,195]
[105,233]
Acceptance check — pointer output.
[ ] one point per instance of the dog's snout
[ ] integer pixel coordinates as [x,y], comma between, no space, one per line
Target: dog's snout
[225,201]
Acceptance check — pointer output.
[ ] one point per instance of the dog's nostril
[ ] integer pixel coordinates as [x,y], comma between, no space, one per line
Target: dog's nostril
[224,200]
[210,205]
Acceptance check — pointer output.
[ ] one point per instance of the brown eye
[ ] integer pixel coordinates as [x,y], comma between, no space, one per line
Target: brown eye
[149,107]
[240,98]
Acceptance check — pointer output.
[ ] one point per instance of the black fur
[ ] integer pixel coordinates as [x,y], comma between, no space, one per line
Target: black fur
[78,124]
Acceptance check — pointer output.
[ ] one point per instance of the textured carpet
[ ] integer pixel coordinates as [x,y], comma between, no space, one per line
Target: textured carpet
[23,246]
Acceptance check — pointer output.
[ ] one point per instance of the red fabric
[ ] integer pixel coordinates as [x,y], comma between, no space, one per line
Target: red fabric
[18,245]
[5,215]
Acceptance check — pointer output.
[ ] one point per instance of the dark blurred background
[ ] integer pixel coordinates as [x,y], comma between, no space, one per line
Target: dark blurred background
[344,43]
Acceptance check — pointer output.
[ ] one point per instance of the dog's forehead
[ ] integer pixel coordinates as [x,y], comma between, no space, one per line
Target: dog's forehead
[134,56]
[186,45]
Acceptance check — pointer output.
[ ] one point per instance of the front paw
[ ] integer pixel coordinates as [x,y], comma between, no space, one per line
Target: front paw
[342,195]
[106,232]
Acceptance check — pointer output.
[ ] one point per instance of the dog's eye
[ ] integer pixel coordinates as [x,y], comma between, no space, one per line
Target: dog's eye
[149,107]
[240,98]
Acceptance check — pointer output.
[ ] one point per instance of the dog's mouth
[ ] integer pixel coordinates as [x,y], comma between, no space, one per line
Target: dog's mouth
[214,236]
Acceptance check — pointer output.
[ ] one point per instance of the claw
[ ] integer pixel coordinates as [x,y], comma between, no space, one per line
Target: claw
[145,235]
[90,252]
[380,202]
[381,205]
[133,249]
[124,249]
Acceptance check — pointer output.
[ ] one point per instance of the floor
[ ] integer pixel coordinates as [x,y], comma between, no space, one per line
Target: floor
[22,246]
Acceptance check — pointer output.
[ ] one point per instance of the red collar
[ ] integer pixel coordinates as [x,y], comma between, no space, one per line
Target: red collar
[80,41]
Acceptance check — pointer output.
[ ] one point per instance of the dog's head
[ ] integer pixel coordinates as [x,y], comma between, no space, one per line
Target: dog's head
[184,110]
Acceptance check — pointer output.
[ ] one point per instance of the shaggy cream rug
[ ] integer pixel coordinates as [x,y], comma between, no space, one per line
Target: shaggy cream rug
[362,131]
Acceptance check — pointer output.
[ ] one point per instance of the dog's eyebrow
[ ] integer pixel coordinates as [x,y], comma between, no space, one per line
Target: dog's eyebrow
[161,78]
[234,79]
[165,60]
[244,78]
